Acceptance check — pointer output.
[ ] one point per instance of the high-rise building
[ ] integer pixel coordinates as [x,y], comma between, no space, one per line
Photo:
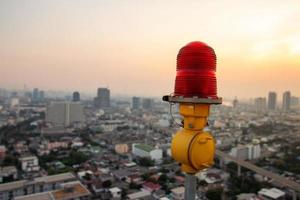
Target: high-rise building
[136,103]
[272,99]
[295,101]
[260,104]
[147,104]
[35,95]
[235,102]
[64,113]
[240,152]
[103,98]
[41,96]
[286,101]
[76,96]
[254,151]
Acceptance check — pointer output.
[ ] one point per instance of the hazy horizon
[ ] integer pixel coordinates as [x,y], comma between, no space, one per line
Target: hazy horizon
[131,46]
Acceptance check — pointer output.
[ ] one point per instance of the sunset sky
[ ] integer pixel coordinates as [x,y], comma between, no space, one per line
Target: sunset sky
[130,46]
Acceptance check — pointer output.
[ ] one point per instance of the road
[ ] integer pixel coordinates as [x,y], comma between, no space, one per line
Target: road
[277,178]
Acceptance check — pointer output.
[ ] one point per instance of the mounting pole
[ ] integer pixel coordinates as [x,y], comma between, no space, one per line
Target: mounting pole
[190,187]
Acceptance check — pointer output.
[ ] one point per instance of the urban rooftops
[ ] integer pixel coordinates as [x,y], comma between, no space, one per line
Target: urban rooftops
[144,147]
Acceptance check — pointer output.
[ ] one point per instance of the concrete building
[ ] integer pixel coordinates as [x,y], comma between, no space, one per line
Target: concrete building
[260,104]
[103,98]
[121,148]
[67,191]
[295,101]
[41,96]
[246,152]
[136,103]
[35,95]
[178,193]
[272,100]
[41,184]
[147,104]
[2,152]
[64,113]
[143,194]
[286,101]
[14,103]
[76,96]
[254,151]
[247,196]
[271,194]
[29,164]
[8,172]
[235,103]
[240,152]
[143,150]
[115,193]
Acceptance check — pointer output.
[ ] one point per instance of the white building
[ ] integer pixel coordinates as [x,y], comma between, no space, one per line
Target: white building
[115,192]
[254,151]
[29,163]
[139,195]
[246,152]
[143,150]
[64,113]
[14,103]
[178,193]
[240,152]
[271,194]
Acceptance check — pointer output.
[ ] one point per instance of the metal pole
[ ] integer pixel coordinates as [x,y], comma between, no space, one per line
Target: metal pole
[190,187]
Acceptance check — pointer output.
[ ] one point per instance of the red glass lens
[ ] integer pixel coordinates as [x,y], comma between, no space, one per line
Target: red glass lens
[196,71]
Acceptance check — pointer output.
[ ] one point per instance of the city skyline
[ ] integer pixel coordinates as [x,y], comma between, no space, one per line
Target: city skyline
[131,47]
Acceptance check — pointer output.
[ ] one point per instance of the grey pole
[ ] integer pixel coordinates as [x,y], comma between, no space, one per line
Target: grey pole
[190,187]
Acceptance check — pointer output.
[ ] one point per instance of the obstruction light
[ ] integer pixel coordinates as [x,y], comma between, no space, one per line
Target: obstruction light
[195,90]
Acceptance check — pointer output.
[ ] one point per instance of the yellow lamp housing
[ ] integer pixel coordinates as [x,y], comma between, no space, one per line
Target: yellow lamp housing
[194,151]
[192,147]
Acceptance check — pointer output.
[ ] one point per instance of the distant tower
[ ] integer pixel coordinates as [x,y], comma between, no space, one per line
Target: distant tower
[295,101]
[41,96]
[76,96]
[286,101]
[260,104]
[103,98]
[272,99]
[235,102]
[147,104]
[35,95]
[136,103]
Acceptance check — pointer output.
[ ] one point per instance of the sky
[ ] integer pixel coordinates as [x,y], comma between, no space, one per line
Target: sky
[131,46]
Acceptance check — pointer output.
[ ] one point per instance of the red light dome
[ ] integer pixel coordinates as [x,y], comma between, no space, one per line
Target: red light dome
[196,71]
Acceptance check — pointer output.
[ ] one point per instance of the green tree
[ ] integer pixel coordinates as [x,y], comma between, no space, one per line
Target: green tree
[134,186]
[106,184]
[146,162]
[162,179]
[214,194]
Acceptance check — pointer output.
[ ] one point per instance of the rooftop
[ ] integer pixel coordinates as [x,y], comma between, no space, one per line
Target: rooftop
[37,196]
[71,190]
[144,147]
[12,185]
[45,179]
[178,190]
[55,178]
[273,193]
[141,194]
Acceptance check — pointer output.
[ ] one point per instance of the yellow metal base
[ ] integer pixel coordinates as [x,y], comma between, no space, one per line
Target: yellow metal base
[192,147]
